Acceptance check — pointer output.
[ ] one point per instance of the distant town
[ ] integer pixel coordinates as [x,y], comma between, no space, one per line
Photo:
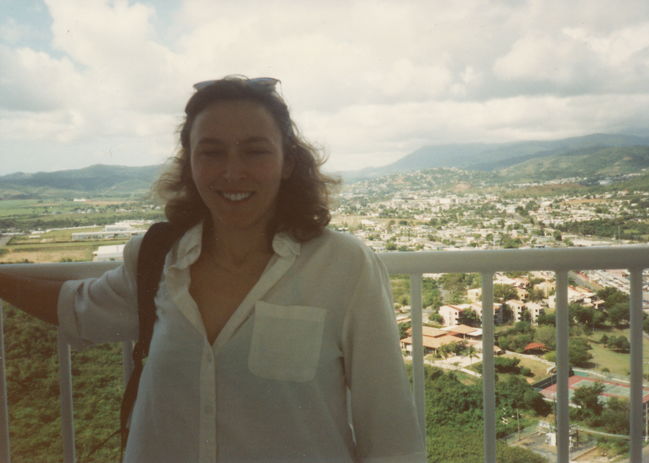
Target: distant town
[446,210]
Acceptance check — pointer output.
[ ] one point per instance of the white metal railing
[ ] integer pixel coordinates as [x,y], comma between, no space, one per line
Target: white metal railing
[633,258]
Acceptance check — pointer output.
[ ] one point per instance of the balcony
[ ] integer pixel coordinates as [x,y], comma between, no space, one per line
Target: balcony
[560,261]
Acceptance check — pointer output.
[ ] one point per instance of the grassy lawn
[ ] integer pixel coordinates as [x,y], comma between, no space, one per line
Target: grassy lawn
[616,363]
[538,368]
[78,253]
[55,252]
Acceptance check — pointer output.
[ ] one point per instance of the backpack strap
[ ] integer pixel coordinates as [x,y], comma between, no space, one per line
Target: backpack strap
[156,243]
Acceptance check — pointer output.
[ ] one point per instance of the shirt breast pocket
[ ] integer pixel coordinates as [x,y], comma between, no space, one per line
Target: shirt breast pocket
[286,341]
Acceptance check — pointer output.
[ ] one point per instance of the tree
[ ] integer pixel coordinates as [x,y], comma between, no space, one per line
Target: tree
[618,344]
[584,315]
[508,242]
[536,294]
[546,318]
[599,318]
[587,399]
[516,394]
[578,349]
[618,314]
[504,292]
[403,329]
[612,296]
[546,335]
[615,416]
[469,317]
[507,313]
[430,293]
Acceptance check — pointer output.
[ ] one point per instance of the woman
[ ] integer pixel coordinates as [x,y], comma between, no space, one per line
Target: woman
[275,339]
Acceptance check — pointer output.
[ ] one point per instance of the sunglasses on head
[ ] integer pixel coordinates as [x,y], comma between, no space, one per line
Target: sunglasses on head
[262,83]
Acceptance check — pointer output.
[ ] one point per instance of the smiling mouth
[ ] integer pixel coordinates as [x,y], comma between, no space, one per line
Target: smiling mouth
[236,197]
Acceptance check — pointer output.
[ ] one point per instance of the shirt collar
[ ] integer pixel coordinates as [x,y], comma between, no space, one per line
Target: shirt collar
[285,246]
[189,247]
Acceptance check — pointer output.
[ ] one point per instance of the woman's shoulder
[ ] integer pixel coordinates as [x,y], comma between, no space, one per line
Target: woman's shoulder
[340,244]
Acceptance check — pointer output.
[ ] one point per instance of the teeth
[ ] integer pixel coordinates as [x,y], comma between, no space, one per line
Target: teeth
[236,196]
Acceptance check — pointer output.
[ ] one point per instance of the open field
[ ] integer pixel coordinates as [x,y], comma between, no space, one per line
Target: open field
[538,368]
[53,235]
[54,252]
[44,256]
[615,362]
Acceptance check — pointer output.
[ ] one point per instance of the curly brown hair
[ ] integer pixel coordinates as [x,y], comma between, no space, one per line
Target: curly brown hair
[303,198]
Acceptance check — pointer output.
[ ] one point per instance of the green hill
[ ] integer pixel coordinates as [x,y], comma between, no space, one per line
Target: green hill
[494,156]
[589,162]
[597,157]
[97,180]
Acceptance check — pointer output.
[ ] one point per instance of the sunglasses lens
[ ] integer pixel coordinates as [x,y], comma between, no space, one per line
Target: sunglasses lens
[263,83]
[267,83]
[203,84]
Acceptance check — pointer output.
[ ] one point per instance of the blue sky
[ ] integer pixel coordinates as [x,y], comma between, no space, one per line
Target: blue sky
[102,81]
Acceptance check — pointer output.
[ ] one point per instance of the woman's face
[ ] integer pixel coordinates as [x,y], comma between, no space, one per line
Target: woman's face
[237,163]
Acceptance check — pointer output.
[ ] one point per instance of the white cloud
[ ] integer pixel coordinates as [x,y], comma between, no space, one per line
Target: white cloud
[13,32]
[33,80]
[369,80]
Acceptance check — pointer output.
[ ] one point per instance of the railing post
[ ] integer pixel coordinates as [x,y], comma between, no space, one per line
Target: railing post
[562,412]
[488,372]
[417,350]
[636,406]
[67,415]
[5,451]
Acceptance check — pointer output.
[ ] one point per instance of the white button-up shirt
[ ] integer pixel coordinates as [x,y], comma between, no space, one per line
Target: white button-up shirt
[307,369]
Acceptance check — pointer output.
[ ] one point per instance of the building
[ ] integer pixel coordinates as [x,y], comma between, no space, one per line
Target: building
[108,253]
[116,230]
[464,332]
[519,308]
[451,313]
[497,308]
[433,339]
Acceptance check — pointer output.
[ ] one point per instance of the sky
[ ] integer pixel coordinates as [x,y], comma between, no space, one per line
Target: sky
[84,82]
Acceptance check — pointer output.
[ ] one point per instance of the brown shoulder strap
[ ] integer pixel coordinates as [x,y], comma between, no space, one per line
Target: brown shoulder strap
[156,243]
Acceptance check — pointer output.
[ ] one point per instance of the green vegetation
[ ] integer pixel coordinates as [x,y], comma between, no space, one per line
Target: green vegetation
[431,296]
[454,417]
[627,228]
[610,415]
[506,365]
[587,162]
[456,285]
[33,394]
[97,180]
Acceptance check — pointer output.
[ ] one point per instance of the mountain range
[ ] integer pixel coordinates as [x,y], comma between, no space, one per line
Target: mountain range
[502,156]
[593,156]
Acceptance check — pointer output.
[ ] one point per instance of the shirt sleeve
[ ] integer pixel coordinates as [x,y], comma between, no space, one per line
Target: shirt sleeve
[385,423]
[102,309]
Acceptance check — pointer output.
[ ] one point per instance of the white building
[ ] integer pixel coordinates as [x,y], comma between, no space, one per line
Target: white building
[108,253]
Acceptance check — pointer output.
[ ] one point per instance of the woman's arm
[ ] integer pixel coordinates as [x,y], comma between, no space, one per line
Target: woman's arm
[36,296]
[383,413]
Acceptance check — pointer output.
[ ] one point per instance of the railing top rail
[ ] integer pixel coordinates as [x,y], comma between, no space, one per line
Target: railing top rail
[484,261]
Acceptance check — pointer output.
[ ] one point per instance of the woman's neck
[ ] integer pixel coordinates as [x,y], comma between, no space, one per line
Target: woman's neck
[235,248]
